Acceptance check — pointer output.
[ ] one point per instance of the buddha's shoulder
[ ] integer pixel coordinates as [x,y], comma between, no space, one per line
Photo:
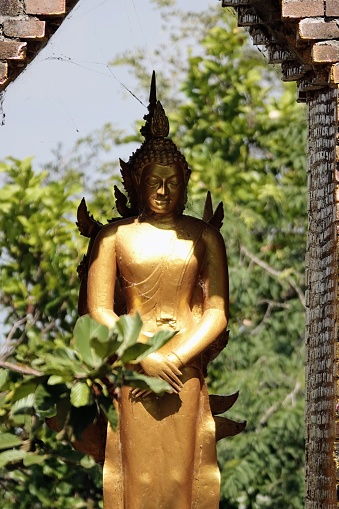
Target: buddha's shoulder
[205,229]
[111,229]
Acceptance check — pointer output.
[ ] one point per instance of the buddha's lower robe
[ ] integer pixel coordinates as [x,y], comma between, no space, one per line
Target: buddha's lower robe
[163,453]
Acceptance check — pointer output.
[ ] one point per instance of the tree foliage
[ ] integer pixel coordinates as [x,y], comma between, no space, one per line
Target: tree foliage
[244,137]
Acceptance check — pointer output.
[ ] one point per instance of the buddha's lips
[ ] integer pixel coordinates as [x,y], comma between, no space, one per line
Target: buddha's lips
[161,202]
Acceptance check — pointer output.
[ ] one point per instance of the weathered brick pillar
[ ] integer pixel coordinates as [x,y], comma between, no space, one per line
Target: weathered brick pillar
[321,273]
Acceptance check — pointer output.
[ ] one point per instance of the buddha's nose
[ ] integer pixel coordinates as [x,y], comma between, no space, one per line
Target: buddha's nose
[162,189]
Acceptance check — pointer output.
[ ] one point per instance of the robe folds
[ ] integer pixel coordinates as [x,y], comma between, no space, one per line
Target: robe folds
[163,454]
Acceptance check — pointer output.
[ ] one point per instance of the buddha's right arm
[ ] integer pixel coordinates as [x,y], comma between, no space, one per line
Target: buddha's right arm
[101,278]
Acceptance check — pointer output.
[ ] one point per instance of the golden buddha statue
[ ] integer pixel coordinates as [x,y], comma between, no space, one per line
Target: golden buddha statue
[171,268]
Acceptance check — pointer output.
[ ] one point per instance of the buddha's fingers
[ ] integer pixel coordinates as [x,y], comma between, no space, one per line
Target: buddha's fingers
[173,368]
[173,381]
[140,393]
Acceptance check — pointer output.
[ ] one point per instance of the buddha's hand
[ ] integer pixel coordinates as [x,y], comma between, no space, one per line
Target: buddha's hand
[162,366]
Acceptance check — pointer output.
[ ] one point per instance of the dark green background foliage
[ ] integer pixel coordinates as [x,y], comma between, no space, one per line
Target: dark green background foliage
[244,137]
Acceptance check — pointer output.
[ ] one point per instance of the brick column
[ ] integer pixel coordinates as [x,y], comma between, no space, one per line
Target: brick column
[321,271]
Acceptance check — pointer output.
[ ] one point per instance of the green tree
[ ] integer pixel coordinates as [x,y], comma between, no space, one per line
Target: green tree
[40,250]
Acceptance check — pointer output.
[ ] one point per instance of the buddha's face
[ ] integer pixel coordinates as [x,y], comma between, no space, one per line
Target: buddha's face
[161,188]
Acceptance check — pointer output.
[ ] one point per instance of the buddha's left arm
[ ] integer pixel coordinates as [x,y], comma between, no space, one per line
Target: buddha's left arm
[184,347]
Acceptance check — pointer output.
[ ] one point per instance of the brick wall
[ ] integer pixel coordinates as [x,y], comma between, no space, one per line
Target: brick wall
[25,27]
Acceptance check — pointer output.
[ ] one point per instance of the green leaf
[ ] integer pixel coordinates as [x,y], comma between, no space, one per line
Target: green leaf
[57,379]
[24,405]
[33,459]
[156,385]
[159,339]
[128,328]
[135,352]
[24,389]
[8,440]
[11,457]
[87,462]
[3,377]
[87,329]
[81,394]
[60,363]
[106,349]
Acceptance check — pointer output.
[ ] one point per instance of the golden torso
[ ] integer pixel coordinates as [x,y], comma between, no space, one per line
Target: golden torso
[159,269]
[167,270]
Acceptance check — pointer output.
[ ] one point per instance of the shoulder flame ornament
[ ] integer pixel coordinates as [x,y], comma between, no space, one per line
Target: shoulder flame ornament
[171,268]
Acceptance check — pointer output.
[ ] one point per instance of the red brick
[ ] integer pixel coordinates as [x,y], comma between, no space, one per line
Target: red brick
[31,28]
[332,8]
[12,50]
[302,8]
[3,72]
[316,28]
[45,7]
[325,52]
[10,7]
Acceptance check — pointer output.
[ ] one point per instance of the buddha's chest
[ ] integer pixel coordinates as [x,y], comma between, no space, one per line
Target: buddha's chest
[151,255]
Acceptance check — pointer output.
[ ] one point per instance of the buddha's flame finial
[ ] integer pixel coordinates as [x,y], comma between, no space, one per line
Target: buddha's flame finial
[153,92]
[157,125]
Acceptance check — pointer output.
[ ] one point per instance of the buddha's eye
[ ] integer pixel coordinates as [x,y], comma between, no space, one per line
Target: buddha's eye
[174,182]
[152,181]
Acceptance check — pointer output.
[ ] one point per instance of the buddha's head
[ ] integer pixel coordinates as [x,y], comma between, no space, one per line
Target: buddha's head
[157,167]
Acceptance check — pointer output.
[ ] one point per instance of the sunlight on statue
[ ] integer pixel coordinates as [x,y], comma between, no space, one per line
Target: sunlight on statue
[171,268]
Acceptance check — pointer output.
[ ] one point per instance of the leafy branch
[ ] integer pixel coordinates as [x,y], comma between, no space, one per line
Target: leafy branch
[275,273]
[76,386]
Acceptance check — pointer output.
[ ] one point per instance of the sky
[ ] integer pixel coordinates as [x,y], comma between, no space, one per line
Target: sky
[69,90]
